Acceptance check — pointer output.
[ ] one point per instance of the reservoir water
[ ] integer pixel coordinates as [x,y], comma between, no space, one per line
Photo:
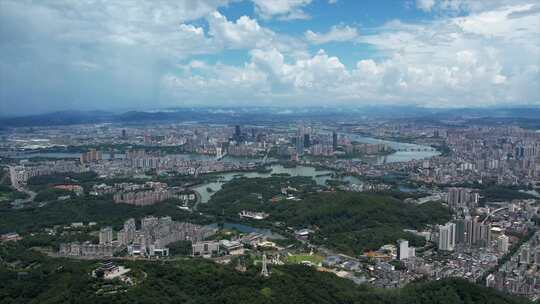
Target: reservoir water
[320,177]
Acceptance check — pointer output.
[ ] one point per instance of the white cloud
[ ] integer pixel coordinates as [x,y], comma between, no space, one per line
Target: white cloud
[136,51]
[478,59]
[234,85]
[464,6]
[425,5]
[313,73]
[155,25]
[283,9]
[338,33]
[485,58]
[246,33]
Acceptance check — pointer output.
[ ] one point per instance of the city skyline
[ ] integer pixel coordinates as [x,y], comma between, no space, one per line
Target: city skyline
[270,151]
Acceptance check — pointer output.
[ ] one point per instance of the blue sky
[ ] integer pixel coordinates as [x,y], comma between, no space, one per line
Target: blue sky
[114,55]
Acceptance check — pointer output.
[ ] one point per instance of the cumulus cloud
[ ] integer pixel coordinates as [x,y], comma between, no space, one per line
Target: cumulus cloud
[282,9]
[485,58]
[199,83]
[337,33]
[111,50]
[313,73]
[247,33]
[136,53]
[463,6]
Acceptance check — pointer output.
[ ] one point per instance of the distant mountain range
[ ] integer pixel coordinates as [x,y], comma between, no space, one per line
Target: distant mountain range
[268,114]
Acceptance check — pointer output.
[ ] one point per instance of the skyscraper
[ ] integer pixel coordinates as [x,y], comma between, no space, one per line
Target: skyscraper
[307,142]
[300,145]
[462,197]
[460,231]
[447,237]
[469,225]
[237,134]
[334,140]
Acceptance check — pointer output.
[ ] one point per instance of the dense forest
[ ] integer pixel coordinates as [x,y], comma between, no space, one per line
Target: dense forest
[347,221]
[29,277]
[85,209]
[500,194]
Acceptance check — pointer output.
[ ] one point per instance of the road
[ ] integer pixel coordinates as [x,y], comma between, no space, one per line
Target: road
[198,199]
[493,212]
[3,178]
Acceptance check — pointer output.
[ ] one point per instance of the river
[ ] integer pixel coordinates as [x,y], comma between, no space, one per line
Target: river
[404,152]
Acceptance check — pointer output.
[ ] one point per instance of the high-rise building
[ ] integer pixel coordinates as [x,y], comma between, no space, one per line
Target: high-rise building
[481,233]
[469,224]
[525,255]
[122,237]
[447,237]
[403,249]
[307,142]
[502,243]
[300,145]
[462,197]
[91,156]
[334,140]
[105,235]
[460,231]
[149,223]
[520,151]
[130,228]
[470,231]
[485,234]
[165,224]
[237,133]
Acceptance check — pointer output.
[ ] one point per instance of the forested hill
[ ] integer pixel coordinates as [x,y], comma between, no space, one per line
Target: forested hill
[47,281]
[349,222]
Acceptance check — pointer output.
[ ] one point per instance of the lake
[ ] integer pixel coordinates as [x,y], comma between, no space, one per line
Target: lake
[320,177]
